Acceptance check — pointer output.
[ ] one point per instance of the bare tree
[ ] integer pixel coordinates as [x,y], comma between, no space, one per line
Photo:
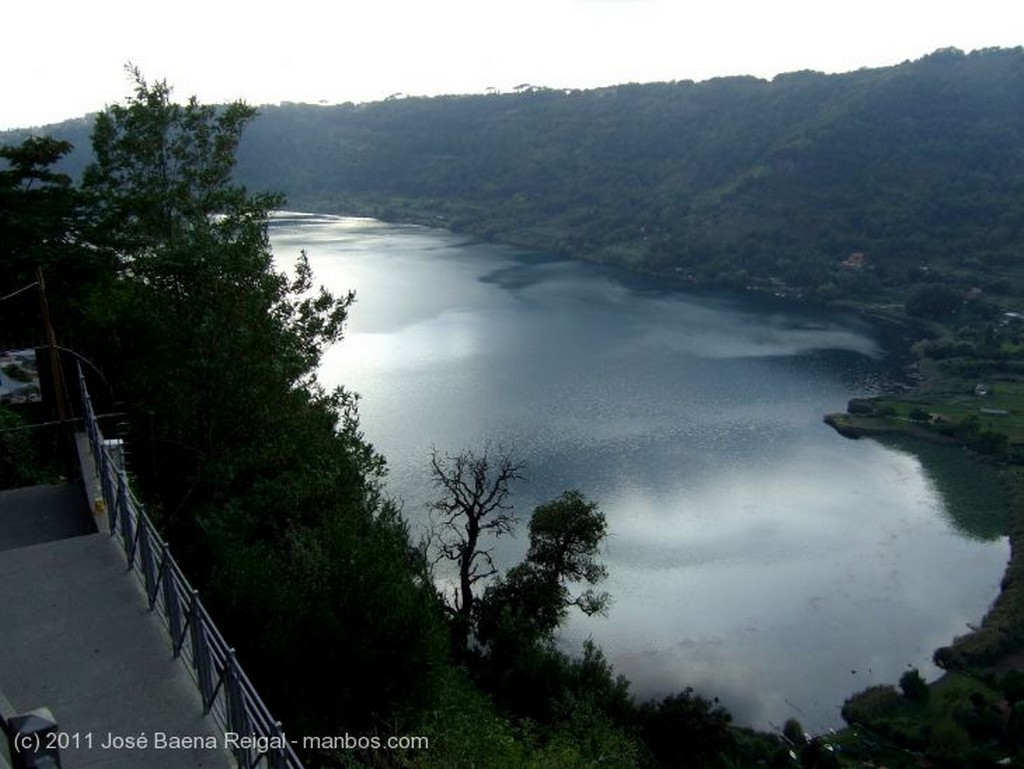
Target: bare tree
[474,504]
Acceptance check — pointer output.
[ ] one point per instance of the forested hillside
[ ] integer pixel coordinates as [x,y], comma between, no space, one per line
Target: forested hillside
[919,167]
[916,166]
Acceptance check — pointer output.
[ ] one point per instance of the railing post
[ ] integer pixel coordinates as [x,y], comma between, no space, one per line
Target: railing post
[237,720]
[127,529]
[146,558]
[172,604]
[200,652]
[277,756]
[243,711]
[106,484]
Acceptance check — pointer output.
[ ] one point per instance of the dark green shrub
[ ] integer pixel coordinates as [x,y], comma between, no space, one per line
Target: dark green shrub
[919,414]
[914,687]
[1012,686]
[686,729]
[870,704]
[950,743]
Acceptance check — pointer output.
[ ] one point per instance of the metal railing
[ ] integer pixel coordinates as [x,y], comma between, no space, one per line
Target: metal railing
[227,693]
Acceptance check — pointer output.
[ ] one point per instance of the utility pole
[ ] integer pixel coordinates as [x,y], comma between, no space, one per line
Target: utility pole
[51,340]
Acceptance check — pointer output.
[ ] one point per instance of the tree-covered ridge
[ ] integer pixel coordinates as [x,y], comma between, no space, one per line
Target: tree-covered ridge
[736,178]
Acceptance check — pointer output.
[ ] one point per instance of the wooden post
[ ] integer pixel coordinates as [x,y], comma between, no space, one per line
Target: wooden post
[51,340]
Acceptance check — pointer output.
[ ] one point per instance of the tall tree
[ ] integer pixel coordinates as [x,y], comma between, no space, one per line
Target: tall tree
[260,478]
[526,605]
[473,506]
[36,202]
[220,344]
[39,218]
[565,535]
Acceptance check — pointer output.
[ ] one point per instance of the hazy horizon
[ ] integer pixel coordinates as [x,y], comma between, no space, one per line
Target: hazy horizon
[364,53]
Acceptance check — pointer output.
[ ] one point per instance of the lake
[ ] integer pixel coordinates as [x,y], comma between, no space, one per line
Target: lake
[753,553]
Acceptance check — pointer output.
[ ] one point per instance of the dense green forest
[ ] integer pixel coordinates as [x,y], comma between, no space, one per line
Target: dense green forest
[160,274]
[919,167]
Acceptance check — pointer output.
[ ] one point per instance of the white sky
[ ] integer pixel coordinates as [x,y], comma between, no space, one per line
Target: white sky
[64,58]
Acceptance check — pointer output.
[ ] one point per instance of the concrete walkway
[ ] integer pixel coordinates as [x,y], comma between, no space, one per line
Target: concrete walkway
[36,514]
[76,636]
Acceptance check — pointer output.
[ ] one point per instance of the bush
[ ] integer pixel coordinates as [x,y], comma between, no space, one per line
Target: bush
[686,729]
[25,457]
[992,442]
[950,742]
[886,410]
[919,415]
[977,649]
[914,687]
[870,704]
[860,406]
[793,731]
[1012,686]
[933,301]
[1015,725]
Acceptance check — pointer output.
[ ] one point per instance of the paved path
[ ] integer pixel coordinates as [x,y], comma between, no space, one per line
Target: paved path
[76,636]
[36,514]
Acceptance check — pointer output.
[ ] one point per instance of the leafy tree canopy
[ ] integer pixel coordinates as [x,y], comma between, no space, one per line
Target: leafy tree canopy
[261,480]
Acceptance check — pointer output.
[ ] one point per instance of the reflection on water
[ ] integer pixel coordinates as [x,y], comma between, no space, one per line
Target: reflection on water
[974,499]
[753,553]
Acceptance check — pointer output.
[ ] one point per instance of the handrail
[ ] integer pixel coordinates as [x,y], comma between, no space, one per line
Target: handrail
[227,693]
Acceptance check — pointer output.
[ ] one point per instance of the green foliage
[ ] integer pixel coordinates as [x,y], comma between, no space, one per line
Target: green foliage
[211,346]
[794,732]
[872,703]
[565,535]
[1015,729]
[262,482]
[161,180]
[991,442]
[266,481]
[21,460]
[37,205]
[945,348]
[40,230]
[686,729]
[933,301]
[349,637]
[919,414]
[266,486]
[817,754]
[950,743]
[738,180]
[886,410]
[735,180]
[914,687]
[519,609]
[1012,685]
[467,730]
[526,605]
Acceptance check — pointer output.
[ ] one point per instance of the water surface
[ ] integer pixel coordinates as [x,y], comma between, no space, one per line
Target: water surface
[753,553]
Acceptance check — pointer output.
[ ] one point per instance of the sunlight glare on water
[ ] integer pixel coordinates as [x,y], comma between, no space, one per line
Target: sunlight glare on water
[752,553]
